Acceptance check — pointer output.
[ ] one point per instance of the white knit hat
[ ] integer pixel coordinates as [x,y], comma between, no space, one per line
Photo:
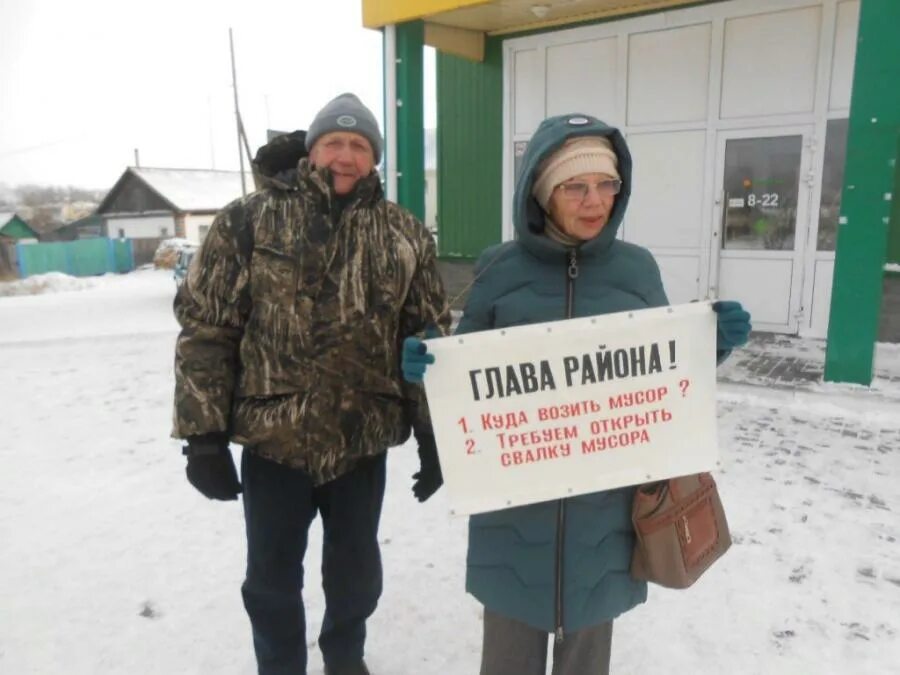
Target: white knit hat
[582,154]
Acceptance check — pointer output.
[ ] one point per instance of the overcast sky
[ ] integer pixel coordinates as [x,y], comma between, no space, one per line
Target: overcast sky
[82,84]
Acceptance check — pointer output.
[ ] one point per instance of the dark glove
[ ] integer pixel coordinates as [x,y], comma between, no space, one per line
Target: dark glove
[415,359]
[732,325]
[429,478]
[210,467]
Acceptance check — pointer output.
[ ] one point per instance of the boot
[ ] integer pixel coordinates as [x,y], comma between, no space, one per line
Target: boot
[357,668]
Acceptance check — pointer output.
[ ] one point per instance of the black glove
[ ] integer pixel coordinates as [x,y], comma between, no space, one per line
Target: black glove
[210,467]
[429,478]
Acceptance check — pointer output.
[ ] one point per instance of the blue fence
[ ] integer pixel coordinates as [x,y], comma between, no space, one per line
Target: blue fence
[83,258]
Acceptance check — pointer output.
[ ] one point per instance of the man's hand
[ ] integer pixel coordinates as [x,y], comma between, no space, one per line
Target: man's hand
[415,359]
[429,478]
[210,467]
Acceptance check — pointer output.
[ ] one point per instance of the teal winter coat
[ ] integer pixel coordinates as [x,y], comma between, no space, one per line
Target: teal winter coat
[560,565]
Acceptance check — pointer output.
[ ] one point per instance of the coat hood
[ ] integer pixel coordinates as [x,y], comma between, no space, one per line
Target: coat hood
[528,216]
[275,164]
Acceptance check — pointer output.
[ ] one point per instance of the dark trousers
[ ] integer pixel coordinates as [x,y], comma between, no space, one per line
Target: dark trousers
[514,648]
[280,504]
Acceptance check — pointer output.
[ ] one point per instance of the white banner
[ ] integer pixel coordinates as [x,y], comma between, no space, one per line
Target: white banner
[551,410]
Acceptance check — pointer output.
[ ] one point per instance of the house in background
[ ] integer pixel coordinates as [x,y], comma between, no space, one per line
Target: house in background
[57,231]
[88,227]
[148,205]
[13,228]
[64,226]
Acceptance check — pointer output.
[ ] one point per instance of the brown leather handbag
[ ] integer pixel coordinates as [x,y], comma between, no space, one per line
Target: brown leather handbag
[680,530]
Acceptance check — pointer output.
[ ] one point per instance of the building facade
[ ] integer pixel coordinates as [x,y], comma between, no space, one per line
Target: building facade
[737,120]
[738,115]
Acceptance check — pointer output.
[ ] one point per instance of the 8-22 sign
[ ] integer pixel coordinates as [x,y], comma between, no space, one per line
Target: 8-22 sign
[765,200]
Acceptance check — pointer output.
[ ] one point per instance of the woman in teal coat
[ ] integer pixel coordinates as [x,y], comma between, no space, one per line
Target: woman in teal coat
[561,566]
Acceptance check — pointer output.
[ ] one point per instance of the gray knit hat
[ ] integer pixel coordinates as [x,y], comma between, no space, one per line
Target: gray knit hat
[346,113]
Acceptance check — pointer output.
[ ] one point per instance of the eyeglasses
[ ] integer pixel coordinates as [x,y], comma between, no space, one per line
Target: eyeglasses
[577,191]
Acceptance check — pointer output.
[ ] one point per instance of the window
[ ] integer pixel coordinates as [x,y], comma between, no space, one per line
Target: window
[762,178]
[202,231]
[832,183]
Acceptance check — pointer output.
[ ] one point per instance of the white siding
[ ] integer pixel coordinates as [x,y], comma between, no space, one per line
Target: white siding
[668,75]
[142,227]
[770,63]
[193,225]
[821,303]
[582,77]
[666,207]
[844,55]
[528,88]
[763,286]
[679,276]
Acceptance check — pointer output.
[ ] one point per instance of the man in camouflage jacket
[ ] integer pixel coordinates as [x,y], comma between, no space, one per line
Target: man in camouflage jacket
[293,313]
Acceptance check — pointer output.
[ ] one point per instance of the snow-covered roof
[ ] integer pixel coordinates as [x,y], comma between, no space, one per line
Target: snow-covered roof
[195,189]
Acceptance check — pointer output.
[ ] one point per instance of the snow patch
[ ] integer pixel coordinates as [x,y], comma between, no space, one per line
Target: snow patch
[51,282]
[178,243]
[166,254]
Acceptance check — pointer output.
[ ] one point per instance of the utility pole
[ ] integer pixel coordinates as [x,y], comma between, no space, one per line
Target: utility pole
[212,145]
[237,114]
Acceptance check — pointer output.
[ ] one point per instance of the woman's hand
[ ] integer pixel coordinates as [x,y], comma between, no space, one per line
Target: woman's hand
[732,325]
[415,359]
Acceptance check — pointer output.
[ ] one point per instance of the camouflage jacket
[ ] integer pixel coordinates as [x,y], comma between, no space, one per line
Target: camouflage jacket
[292,317]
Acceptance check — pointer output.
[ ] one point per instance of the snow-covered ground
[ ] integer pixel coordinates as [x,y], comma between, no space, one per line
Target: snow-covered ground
[111,563]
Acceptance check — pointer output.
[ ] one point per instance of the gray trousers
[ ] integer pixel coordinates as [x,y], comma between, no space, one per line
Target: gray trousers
[514,648]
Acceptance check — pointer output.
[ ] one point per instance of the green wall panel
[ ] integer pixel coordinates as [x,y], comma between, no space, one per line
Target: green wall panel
[410,118]
[866,204]
[470,151]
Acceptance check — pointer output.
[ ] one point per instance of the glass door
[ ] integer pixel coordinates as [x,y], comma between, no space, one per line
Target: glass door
[761,213]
